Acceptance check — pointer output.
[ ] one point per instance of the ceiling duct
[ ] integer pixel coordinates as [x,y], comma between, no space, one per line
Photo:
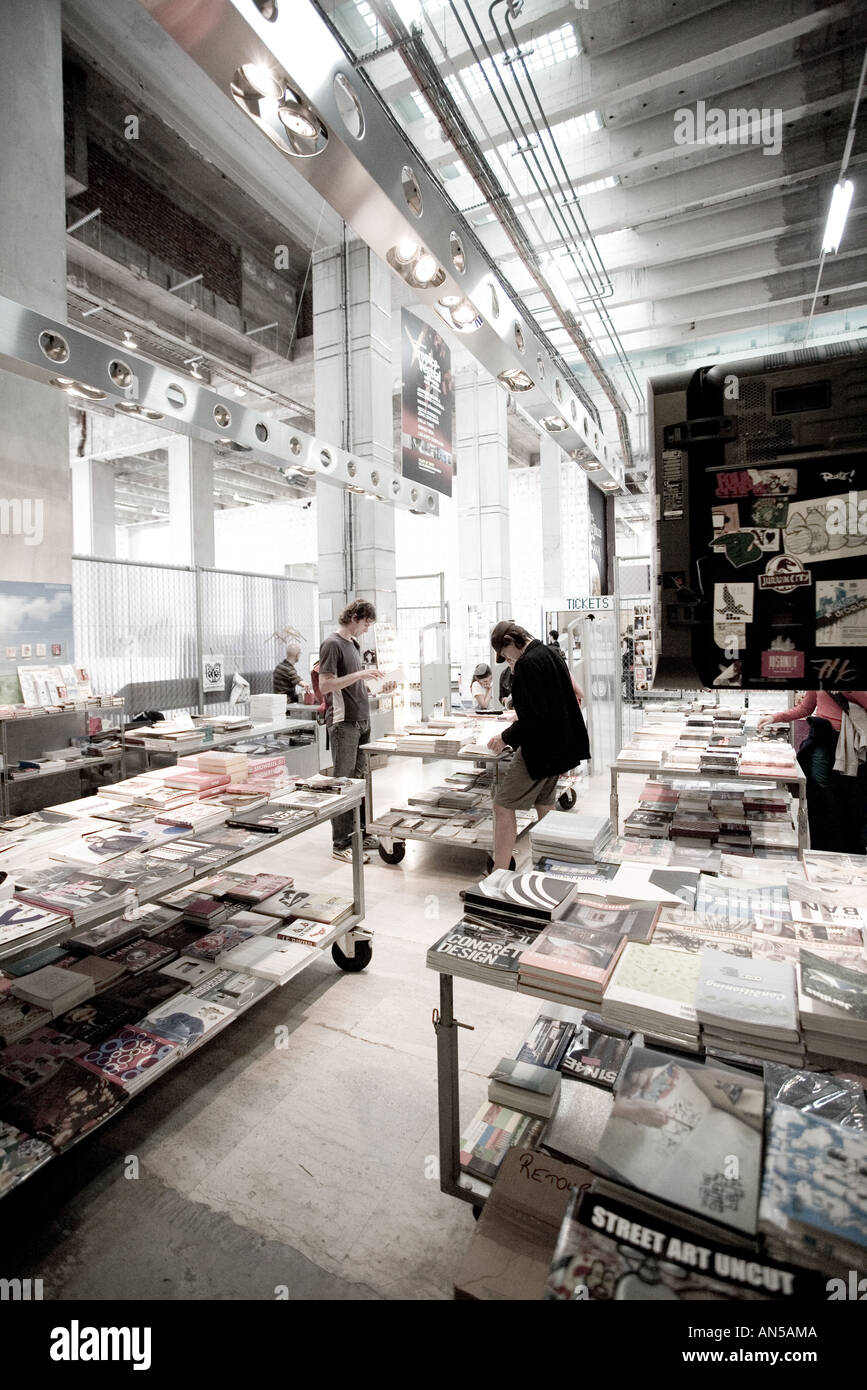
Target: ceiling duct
[284,67]
[94,374]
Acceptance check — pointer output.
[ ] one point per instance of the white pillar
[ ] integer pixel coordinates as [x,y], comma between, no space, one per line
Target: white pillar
[482,491]
[93,519]
[34,449]
[550,462]
[353,395]
[191,501]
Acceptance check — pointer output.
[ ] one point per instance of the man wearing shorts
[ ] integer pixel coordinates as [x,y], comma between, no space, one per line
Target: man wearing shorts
[549,734]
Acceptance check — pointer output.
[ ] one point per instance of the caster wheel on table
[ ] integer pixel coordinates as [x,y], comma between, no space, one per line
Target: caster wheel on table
[395,855]
[567,799]
[352,964]
[512,864]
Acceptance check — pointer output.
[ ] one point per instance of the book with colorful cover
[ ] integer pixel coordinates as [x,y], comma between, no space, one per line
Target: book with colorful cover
[572,956]
[186,1020]
[38,1056]
[295,902]
[74,893]
[18,1019]
[142,954]
[130,1057]
[19,921]
[20,1153]
[252,889]
[493,1130]
[225,938]
[594,1056]
[706,1154]
[814,1189]
[65,1105]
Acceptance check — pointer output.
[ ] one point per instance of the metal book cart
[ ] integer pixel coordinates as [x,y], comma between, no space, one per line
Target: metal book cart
[392,847]
[795,783]
[452,1180]
[350,942]
[114,756]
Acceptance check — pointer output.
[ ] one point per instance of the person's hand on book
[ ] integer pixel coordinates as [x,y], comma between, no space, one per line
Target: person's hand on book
[496,744]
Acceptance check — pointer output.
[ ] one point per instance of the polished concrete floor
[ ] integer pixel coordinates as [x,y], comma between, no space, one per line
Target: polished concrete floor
[258,1170]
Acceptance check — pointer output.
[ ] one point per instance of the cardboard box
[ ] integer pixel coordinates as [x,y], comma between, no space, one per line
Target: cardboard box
[513,1244]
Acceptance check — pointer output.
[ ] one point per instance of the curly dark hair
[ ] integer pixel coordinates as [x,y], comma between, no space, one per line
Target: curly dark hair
[358,609]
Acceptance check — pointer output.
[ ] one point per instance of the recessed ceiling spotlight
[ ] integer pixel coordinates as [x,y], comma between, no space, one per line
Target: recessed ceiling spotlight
[299,120]
[263,80]
[459,313]
[415,265]
[516,379]
[553,422]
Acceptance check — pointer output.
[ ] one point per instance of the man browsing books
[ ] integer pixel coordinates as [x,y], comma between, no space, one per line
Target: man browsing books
[549,734]
[342,679]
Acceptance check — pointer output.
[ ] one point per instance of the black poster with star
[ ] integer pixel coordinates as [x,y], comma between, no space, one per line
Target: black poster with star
[427,426]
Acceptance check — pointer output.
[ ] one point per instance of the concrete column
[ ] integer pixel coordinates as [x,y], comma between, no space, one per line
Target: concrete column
[93,520]
[191,501]
[34,456]
[353,395]
[482,491]
[550,462]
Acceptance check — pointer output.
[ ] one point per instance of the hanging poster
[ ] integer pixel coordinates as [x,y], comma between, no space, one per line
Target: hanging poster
[427,427]
[598,541]
[214,673]
[32,616]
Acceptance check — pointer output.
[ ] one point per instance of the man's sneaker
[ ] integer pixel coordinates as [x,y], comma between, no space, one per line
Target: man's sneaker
[346,855]
[370,842]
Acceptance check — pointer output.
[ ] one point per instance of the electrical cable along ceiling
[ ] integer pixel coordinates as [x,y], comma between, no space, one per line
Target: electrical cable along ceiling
[284,67]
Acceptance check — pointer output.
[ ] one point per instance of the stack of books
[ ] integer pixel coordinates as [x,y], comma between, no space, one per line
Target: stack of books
[75,893]
[572,960]
[832,1004]
[482,951]
[749,1006]
[575,836]
[653,991]
[53,989]
[506,897]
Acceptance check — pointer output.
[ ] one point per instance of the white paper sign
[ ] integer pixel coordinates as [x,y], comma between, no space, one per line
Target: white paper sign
[213,673]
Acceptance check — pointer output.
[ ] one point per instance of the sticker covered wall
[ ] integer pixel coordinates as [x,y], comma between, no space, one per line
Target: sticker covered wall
[771,545]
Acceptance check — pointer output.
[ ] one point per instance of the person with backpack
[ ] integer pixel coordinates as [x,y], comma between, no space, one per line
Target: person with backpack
[341,680]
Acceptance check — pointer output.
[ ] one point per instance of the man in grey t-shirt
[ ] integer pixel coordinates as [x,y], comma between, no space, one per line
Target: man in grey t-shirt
[347,714]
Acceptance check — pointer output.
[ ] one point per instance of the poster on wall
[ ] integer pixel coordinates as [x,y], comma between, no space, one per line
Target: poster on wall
[598,542]
[35,623]
[427,423]
[214,673]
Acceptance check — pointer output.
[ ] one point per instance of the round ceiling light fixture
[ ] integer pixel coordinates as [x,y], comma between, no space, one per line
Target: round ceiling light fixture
[79,389]
[261,432]
[519,338]
[456,246]
[415,265]
[516,379]
[139,412]
[348,106]
[223,416]
[460,314]
[261,80]
[55,348]
[278,110]
[411,191]
[176,396]
[121,375]
[553,423]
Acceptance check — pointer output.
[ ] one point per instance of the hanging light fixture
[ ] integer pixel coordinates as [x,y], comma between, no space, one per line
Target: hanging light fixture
[837,214]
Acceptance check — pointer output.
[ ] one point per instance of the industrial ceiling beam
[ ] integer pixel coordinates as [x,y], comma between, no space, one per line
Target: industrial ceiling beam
[93,373]
[336,132]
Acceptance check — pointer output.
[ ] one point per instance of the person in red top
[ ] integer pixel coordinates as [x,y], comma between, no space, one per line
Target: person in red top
[836,805]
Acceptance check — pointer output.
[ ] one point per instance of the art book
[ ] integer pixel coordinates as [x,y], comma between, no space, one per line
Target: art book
[706,1154]
[223,939]
[130,1057]
[189,971]
[142,954]
[65,1105]
[303,929]
[37,1057]
[547,1040]
[479,950]
[833,985]
[609,1250]
[186,1019]
[19,1155]
[572,958]
[252,889]
[755,996]
[77,895]
[18,1018]
[539,897]
[266,958]
[814,1190]
[595,1057]
[19,920]
[233,989]
[295,902]
[493,1130]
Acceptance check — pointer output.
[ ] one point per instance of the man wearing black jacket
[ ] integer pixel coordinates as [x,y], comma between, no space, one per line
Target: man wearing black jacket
[549,734]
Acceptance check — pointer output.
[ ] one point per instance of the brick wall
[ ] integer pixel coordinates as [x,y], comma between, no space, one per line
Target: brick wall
[136,209]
